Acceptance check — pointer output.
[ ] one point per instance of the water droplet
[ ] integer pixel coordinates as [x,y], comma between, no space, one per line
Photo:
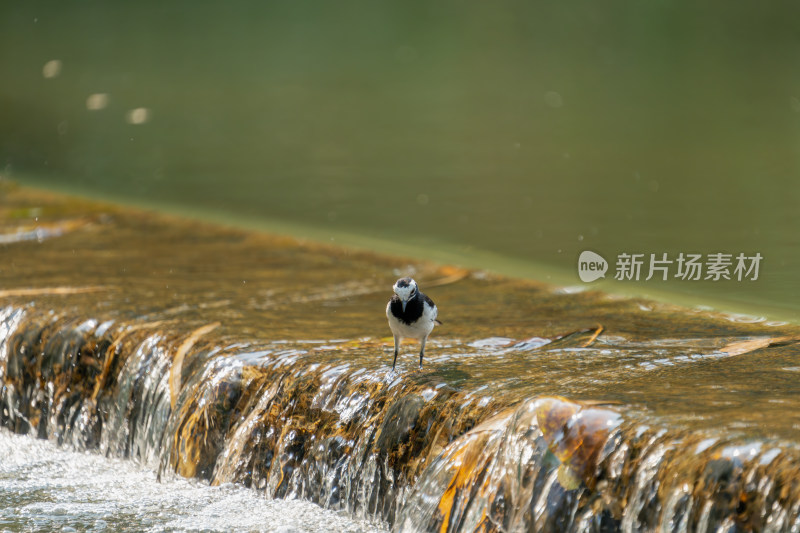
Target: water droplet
[553,99]
[137,116]
[97,101]
[52,68]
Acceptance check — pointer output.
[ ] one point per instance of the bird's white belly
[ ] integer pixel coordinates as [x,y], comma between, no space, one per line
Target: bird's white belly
[416,330]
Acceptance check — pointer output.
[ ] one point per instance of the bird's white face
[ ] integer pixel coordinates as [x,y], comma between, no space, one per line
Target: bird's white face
[405,288]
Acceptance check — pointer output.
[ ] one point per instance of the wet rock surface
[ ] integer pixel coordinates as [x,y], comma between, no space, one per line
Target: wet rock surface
[232,356]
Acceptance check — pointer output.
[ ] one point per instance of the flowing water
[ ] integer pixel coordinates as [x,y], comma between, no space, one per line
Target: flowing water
[245,360]
[505,135]
[188,376]
[47,488]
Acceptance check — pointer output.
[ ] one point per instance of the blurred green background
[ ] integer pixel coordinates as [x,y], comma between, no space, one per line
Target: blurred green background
[503,135]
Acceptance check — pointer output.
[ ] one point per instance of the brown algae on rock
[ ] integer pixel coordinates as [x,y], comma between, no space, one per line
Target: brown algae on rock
[233,356]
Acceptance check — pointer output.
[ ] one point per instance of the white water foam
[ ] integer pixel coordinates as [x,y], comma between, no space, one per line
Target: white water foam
[46,488]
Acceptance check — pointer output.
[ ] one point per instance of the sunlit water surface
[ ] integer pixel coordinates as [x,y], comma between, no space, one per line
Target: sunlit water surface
[46,488]
[236,357]
[510,135]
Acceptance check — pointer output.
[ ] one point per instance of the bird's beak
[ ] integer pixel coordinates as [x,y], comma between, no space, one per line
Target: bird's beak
[404,303]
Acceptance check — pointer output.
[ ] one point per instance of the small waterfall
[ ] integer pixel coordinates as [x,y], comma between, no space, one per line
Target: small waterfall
[554,465]
[302,420]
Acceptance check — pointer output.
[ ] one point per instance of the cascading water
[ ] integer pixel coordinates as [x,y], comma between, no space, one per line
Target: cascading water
[421,454]
[535,417]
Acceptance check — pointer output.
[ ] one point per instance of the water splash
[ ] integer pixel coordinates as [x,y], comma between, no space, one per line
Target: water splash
[552,411]
[47,488]
[295,420]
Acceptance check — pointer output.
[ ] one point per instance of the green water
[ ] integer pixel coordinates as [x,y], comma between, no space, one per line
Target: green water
[509,136]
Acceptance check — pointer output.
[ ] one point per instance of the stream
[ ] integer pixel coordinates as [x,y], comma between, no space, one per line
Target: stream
[243,361]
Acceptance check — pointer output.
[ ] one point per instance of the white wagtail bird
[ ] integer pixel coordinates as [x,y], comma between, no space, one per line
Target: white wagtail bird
[411,315]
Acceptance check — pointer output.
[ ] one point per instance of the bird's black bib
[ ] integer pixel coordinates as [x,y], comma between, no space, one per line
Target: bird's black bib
[414,308]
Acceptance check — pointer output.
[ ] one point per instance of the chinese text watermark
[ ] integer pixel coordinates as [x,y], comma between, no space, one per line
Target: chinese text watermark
[684,266]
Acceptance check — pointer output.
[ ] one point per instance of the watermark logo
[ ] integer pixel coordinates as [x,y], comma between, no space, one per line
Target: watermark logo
[685,266]
[591,266]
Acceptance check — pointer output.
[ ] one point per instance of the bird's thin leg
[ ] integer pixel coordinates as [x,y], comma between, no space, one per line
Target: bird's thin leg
[422,351]
[396,346]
